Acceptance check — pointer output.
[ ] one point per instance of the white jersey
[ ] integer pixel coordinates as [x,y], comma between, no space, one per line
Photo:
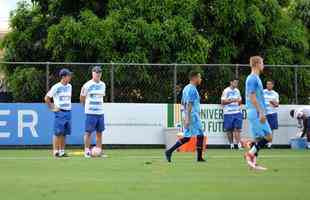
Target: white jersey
[231,94]
[94,93]
[61,95]
[270,95]
[305,111]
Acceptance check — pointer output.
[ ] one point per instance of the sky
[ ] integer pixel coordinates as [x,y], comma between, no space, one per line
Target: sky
[5,7]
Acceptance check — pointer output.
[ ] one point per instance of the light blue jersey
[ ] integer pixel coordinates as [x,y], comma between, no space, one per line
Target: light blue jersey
[191,95]
[254,85]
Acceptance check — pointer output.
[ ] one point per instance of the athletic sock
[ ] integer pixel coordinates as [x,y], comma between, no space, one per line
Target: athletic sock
[232,146]
[308,145]
[239,145]
[269,144]
[61,152]
[256,146]
[199,146]
[262,143]
[178,144]
[55,152]
[87,150]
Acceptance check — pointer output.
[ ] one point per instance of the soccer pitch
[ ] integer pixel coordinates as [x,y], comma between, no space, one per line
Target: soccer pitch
[144,174]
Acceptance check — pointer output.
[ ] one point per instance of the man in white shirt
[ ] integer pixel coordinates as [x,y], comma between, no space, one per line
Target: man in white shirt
[272,103]
[92,94]
[303,121]
[61,94]
[231,101]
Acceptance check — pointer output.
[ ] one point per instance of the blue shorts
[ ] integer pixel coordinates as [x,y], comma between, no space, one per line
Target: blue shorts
[273,120]
[62,123]
[232,121]
[195,127]
[94,123]
[257,129]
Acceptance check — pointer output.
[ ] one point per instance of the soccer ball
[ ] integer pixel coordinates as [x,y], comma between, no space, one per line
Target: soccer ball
[96,152]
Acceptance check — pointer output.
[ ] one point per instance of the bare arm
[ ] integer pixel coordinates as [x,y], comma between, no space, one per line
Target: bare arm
[82,96]
[226,101]
[274,103]
[82,100]
[188,114]
[48,101]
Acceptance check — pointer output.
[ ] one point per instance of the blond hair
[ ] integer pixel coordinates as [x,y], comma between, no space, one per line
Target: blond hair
[255,61]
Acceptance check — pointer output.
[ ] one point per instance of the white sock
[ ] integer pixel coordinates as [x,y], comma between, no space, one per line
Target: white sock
[87,150]
[269,144]
[239,145]
[55,151]
[308,145]
[232,146]
[253,150]
[61,152]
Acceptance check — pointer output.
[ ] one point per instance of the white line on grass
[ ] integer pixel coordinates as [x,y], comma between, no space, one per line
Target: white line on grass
[144,157]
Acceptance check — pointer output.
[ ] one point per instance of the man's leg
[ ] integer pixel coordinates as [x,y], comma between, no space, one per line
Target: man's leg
[262,133]
[56,145]
[87,141]
[270,143]
[238,138]
[228,128]
[260,143]
[178,144]
[61,145]
[99,140]
[199,148]
[90,126]
[230,137]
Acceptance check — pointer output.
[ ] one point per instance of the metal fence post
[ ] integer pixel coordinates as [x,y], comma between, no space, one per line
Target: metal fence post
[296,84]
[112,82]
[237,71]
[47,72]
[175,83]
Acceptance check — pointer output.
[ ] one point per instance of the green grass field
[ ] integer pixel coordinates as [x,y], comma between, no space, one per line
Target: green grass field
[143,174]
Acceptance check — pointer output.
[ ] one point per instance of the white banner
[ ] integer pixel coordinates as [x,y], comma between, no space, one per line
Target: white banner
[212,118]
[128,123]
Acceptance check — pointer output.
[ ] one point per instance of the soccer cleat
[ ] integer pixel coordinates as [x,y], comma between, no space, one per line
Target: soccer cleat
[87,155]
[56,155]
[260,168]
[168,156]
[64,155]
[201,160]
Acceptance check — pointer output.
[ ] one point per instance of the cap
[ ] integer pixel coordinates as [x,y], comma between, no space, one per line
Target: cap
[65,72]
[96,69]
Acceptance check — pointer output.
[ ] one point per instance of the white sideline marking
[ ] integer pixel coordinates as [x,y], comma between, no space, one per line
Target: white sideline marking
[142,157]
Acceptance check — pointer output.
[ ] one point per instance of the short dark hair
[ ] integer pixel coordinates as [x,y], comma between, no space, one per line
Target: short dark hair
[272,81]
[192,74]
[292,112]
[233,79]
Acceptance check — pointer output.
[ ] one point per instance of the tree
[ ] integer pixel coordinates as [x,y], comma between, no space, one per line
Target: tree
[164,31]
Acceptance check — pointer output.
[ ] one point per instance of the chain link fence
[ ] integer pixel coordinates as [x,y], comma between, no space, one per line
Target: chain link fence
[147,83]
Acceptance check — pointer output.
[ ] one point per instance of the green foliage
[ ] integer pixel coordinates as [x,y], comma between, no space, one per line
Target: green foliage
[26,84]
[165,31]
